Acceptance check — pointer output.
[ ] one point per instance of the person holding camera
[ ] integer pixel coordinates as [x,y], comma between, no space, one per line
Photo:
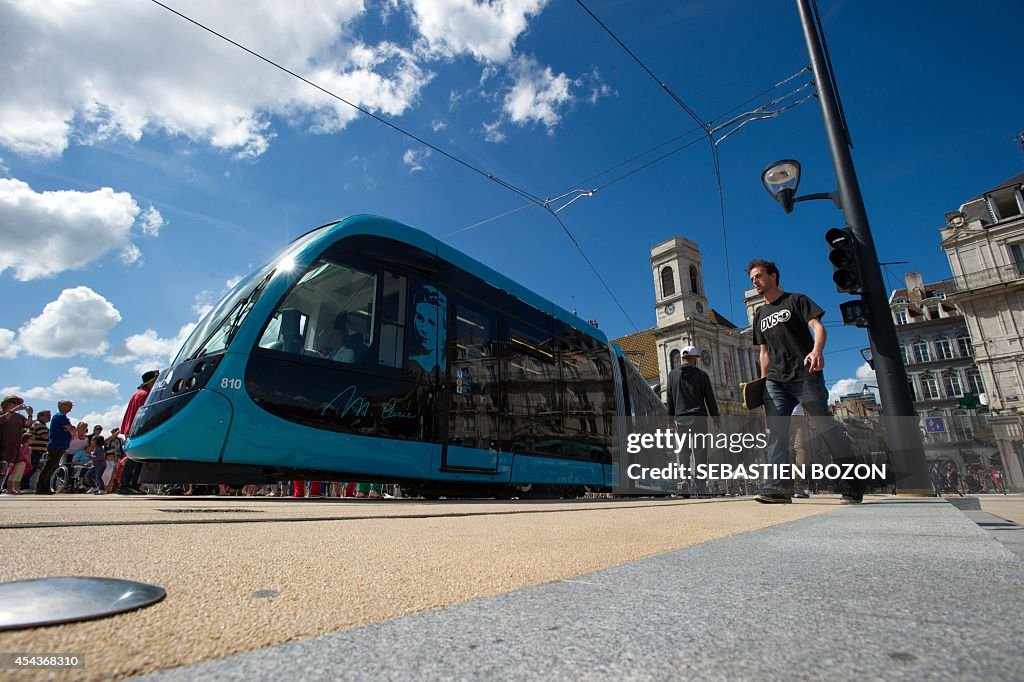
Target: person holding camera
[12,426]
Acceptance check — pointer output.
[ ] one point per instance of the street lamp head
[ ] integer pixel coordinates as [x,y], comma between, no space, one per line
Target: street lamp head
[781,180]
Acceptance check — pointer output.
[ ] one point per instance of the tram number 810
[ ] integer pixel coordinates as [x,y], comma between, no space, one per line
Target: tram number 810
[235,384]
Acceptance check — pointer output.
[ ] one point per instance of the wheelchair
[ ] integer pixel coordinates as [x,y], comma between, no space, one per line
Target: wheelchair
[69,477]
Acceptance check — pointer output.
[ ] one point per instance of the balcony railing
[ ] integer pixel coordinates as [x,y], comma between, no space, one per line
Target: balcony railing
[971,281]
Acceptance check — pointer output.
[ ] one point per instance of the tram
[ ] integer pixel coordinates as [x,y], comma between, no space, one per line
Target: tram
[370,351]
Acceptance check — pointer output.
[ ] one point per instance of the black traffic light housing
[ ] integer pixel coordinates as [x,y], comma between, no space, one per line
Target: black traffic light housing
[855,312]
[842,254]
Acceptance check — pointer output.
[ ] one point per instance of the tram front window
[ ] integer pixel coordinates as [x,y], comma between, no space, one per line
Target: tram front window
[328,314]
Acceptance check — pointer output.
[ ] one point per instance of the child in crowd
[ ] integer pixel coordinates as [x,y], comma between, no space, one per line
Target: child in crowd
[97,454]
[22,466]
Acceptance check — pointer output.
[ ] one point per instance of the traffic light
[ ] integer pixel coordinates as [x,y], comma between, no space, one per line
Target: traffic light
[855,312]
[843,256]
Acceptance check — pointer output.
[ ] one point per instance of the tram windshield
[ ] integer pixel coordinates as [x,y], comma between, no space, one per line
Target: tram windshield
[215,331]
[329,313]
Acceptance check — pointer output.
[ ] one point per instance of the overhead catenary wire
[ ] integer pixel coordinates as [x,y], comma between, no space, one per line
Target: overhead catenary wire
[664,86]
[534,200]
[575,243]
[362,110]
[642,154]
[706,127]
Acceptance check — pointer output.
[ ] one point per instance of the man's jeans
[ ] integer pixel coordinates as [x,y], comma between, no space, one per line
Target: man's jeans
[697,424]
[780,398]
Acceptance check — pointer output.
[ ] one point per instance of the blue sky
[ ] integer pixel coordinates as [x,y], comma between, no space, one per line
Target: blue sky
[146,164]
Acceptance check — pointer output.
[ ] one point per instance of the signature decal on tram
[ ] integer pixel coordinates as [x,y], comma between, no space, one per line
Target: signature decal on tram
[352,403]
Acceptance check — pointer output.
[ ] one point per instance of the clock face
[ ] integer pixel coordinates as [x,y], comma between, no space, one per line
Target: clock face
[670,308]
[700,307]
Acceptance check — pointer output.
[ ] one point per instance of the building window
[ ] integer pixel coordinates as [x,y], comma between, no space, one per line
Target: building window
[933,311]
[694,288]
[1017,256]
[1004,203]
[921,352]
[943,348]
[903,354]
[962,427]
[674,360]
[913,389]
[930,387]
[939,295]
[901,317]
[951,382]
[963,344]
[900,300]
[668,282]
[974,383]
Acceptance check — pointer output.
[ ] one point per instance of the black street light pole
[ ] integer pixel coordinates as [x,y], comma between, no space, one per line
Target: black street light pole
[902,433]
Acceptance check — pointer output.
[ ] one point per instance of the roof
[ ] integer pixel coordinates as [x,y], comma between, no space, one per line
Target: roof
[1017,179]
[719,319]
[642,350]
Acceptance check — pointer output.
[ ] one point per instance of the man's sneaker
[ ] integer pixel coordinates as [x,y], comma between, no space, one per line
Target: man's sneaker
[851,499]
[802,495]
[125,491]
[774,498]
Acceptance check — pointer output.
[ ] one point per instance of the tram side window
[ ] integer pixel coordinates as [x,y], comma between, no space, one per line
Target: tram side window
[329,313]
[643,400]
[473,402]
[392,319]
[589,394]
[532,402]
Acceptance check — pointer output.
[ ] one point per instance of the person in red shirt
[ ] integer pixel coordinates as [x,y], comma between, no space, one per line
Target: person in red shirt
[130,473]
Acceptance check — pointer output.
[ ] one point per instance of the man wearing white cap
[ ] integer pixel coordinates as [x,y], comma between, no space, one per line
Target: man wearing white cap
[692,398]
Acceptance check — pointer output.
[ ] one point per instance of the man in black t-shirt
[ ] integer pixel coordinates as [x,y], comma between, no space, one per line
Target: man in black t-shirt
[789,332]
[691,399]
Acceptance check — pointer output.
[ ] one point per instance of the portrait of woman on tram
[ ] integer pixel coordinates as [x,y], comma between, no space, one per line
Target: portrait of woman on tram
[430,328]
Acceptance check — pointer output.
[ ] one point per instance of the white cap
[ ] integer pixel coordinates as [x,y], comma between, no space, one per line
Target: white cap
[691,351]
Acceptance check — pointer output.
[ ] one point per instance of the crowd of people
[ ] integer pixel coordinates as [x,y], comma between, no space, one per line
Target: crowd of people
[33,446]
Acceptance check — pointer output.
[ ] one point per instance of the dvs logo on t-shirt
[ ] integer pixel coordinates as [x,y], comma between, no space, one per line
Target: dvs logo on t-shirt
[774,319]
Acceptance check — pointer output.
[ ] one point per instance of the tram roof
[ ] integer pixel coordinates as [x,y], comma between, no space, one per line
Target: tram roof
[392,229]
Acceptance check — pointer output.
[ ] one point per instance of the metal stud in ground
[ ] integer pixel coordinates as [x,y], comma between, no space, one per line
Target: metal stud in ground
[51,601]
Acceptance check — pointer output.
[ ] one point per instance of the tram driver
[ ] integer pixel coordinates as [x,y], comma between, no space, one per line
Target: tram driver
[336,348]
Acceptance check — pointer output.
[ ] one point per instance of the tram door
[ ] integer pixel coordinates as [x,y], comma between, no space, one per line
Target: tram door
[471,424]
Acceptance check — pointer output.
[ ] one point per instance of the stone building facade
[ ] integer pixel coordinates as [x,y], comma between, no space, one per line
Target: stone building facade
[984,242]
[936,347]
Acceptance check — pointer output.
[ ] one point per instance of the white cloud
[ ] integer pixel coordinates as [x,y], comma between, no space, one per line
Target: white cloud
[151,221]
[44,233]
[437,125]
[486,30]
[4,170]
[594,83]
[77,322]
[8,347]
[75,384]
[149,350]
[91,70]
[493,132]
[108,419]
[414,158]
[130,255]
[538,94]
[864,375]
